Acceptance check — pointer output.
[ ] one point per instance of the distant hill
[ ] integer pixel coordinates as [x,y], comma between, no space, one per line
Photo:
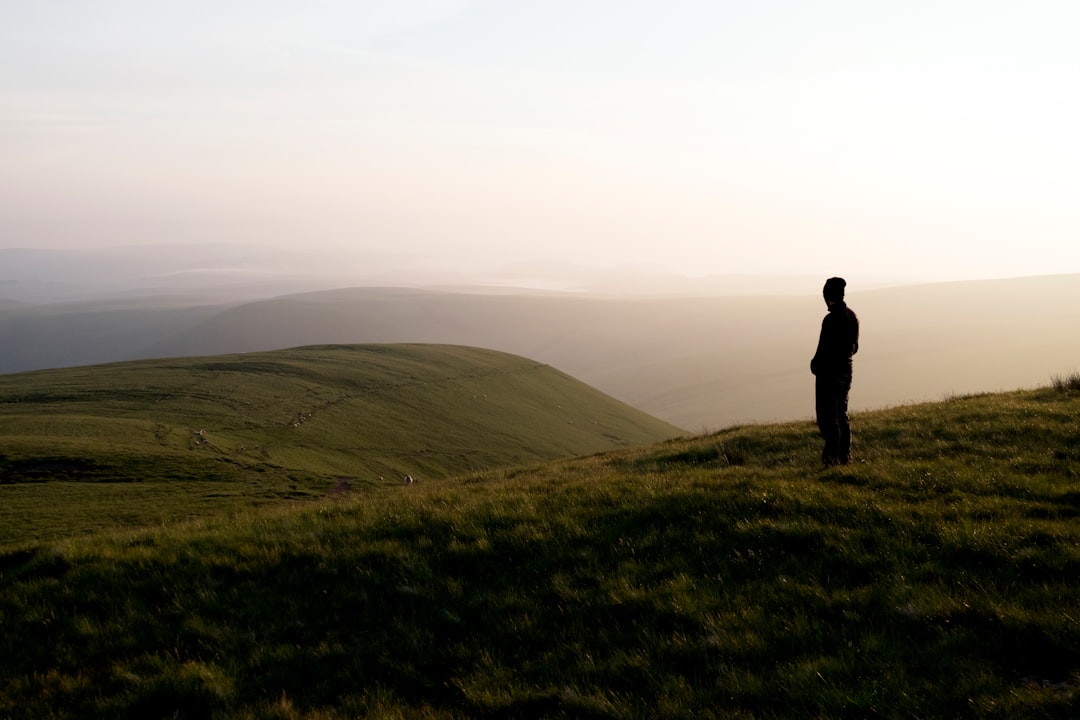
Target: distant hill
[703,362]
[696,362]
[302,420]
[216,272]
[34,337]
[212,272]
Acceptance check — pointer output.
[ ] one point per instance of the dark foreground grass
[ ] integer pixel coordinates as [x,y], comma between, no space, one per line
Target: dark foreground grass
[724,576]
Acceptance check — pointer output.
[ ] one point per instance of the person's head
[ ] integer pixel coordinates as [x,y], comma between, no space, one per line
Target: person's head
[834,290]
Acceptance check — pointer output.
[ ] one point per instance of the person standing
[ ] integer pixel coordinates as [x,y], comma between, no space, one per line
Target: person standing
[831,367]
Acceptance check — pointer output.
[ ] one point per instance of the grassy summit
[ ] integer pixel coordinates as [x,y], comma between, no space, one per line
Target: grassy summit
[159,440]
[724,576]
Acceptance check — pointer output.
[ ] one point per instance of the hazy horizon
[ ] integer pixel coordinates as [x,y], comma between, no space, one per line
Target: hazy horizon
[695,361]
[912,142]
[201,274]
[220,272]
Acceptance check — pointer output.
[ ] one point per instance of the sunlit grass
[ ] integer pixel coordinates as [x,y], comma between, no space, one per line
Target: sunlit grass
[278,427]
[1070,381]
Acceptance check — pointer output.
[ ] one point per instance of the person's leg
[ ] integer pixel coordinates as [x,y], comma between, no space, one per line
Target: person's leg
[843,450]
[828,419]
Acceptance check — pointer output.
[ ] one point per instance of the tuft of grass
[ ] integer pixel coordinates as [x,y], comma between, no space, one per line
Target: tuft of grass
[1066,383]
[935,576]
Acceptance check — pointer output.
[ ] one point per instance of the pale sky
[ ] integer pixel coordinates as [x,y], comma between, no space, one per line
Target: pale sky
[921,139]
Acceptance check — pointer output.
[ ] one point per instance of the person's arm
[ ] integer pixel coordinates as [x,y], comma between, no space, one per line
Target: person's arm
[816,360]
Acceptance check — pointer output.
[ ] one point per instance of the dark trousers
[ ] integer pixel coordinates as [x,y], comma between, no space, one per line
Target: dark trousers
[831,399]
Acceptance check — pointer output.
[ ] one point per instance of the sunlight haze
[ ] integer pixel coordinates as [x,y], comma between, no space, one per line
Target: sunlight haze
[916,140]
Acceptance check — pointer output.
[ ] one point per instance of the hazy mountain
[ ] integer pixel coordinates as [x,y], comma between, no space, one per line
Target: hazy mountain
[184,273]
[697,362]
[69,334]
[701,362]
[223,272]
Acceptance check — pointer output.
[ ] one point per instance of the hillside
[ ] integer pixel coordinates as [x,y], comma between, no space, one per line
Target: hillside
[262,427]
[723,576]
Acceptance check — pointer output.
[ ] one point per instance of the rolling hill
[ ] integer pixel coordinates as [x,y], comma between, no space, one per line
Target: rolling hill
[260,427]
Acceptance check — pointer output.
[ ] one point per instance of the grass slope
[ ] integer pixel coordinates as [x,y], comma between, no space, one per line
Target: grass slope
[724,576]
[279,425]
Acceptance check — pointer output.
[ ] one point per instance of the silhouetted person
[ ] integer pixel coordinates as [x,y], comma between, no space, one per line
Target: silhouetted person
[831,367]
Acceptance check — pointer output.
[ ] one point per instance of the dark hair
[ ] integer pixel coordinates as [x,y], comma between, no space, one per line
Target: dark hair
[834,288]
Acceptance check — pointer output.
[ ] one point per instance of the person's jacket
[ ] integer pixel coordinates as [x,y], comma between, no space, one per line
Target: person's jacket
[839,340]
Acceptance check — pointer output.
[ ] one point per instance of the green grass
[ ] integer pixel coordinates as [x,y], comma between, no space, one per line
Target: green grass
[724,576]
[167,440]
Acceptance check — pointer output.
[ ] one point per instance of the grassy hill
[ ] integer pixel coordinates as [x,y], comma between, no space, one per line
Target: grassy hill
[723,576]
[152,441]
